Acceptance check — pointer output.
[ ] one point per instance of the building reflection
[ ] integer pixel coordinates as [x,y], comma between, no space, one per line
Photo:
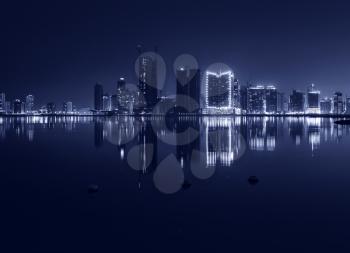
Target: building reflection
[219,139]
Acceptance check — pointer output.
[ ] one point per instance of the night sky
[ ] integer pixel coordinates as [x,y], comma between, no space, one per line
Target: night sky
[57,50]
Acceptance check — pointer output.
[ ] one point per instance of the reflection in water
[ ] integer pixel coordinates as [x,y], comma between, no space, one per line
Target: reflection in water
[198,145]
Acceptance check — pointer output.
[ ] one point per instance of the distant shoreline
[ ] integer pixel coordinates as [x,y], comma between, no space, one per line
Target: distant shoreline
[177,116]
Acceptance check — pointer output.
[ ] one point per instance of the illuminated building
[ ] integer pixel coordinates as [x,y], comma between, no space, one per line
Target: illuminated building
[68,107]
[244,98]
[282,104]
[147,75]
[236,94]
[121,83]
[313,100]
[8,107]
[338,103]
[98,95]
[51,108]
[106,102]
[29,106]
[17,106]
[2,103]
[256,103]
[297,102]
[114,102]
[326,106]
[271,97]
[218,92]
[188,84]
[348,105]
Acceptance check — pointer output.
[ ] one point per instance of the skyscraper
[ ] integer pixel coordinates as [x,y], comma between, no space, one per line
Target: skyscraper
[106,102]
[147,74]
[244,98]
[51,108]
[188,84]
[271,97]
[218,91]
[338,103]
[121,83]
[2,103]
[326,106]
[313,100]
[256,102]
[98,97]
[29,106]
[297,102]
[68,107]
[348,105]
[236,94]
[17,106]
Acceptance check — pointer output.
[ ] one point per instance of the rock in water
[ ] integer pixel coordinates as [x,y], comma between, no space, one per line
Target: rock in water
[186,185]
[93,188]
[253,180]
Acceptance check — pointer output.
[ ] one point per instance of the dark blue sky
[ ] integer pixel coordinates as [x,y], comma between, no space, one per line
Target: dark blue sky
[57,50]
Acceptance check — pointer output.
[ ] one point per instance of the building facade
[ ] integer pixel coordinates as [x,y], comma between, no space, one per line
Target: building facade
[29,104]
[98,97]
[256,103]
[297,102]
[218,91]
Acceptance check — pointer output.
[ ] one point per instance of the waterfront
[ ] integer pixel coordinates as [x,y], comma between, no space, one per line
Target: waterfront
[168,185]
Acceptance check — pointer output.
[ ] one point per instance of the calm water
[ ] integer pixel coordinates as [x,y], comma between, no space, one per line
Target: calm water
[175,185]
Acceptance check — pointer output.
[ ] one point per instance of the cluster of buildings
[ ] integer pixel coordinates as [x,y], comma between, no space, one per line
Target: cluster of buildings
[216,92]
[27,107]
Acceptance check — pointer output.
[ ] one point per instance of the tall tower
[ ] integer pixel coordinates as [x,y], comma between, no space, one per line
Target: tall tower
[271,96]
[338,104]
[29,104]
[188,83]
[2,102]
[147,75]
[98,97]
[218,90]
[313,100]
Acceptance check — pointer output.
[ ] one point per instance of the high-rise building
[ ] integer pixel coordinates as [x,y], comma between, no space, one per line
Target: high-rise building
[297,102]
[326,106]
[2,102]
[188,84]
[236,94]
[98,95]
[271,97]
[51,108]
[313,100]
[29,105]
[106,102]
[244,98]
[114,102]
[8,107]
[256,102]
[338,103]
[67,107]
[281,103]
[121,83]
[218,90]
[348,105]
[148,85]
[17,106]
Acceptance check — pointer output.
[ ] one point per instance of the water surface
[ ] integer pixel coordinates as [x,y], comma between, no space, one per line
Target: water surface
[174,185]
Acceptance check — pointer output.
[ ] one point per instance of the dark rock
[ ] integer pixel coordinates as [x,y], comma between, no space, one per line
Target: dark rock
[253,180]
[186,185]
[342,122]
[93,188]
